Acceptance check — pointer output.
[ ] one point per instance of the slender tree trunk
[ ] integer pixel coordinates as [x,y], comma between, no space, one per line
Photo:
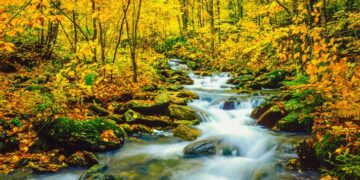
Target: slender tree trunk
[133,36]
[125,10]
[102,40]
[323,15]
[184,15]
[212,25]
[95,30]
[75,31]
[219,20]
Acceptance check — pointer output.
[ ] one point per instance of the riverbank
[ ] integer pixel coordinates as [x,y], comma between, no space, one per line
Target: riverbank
[147,119]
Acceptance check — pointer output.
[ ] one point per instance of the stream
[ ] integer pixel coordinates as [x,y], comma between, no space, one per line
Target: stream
[251,152]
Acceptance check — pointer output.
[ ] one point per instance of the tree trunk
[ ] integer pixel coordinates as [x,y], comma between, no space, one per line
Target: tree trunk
[94,29]
[212,25]
[125,10]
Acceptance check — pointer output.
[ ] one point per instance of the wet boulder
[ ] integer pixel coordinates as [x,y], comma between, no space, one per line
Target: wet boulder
[96,172]
[182,112]
[186,132]
[241,80]
[133,117]
[150,87]
[295,122]
[82,159]
[207,147]
[269,80]
[174,87]
[94,135]
[151,107]
[175,77]
[229,104]
[258,111]
[271,116]
[187,94]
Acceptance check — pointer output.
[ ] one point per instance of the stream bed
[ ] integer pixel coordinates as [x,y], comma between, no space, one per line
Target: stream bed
[250,151]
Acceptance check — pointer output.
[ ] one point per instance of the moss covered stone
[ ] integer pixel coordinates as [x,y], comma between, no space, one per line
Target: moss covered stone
[150,107]
[241,80]
[96,135]
[186,132]
[271,116]
[82,159]
[182,112]
[270,80]
[133,117]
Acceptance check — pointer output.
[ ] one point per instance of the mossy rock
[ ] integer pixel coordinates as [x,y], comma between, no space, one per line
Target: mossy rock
[191,64]
[96,172]
[119,119]
[325,148]
[151,107]
[186,132]
[151,87]
[162,100]
[179,101]
[258,111]
[95,135]
[187,122]
[82,159]
[187,94]
[241,80]
[270,117]
[269,80]
[174,87]
[182,112]
[133,117]
[295,122]
[99,110]
[206,147]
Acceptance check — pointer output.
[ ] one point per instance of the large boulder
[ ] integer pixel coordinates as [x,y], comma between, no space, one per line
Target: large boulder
[269,80]
[207,147]
[175,77]
[186,132]
[271,117]
[182,112]
[82,159]
[95,135]
[96,172]
[150,107]
[258,111]
[241,80]
[187,94]
[133,117]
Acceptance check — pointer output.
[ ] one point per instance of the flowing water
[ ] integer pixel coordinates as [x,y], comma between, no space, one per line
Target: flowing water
[250,151]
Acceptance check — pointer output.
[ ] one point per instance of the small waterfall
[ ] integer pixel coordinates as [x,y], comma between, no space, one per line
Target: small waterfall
[248,151]
[227,116]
